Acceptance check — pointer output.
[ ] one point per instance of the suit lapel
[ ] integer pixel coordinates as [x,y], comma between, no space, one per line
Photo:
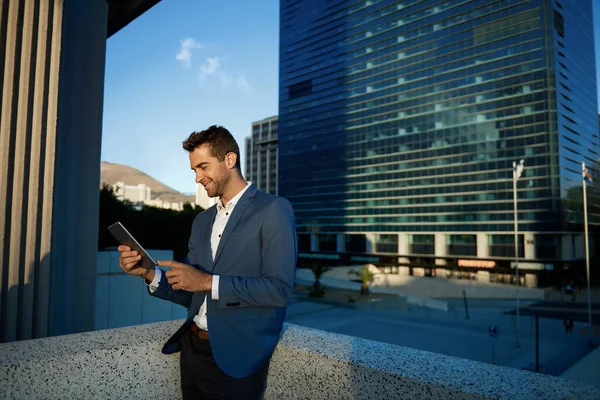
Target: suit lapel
[205,250]
[236,215]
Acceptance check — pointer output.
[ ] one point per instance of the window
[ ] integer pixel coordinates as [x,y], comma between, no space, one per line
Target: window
[422,244]
[301,89]
[462,245]
[504,245]
[559,24]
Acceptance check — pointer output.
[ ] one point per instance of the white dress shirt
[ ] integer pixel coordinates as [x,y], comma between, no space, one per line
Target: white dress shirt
[221,219]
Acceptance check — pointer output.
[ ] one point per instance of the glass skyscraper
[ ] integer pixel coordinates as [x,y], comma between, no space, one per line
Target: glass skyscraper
[400,120]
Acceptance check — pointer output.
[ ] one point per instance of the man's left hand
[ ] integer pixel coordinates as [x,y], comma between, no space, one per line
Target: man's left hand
[185,277]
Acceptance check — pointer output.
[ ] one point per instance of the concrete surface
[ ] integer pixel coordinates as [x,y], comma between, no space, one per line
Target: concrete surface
[308,363]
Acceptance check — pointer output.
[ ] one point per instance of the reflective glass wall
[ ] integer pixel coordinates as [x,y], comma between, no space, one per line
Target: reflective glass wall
[406,116]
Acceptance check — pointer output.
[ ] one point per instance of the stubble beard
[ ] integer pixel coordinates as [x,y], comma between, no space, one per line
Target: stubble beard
[219,185]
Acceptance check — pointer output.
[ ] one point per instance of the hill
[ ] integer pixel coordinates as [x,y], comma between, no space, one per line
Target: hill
[111,173]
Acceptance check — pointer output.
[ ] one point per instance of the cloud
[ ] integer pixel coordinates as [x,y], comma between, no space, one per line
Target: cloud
[242,83]
[212,68]
[185,54]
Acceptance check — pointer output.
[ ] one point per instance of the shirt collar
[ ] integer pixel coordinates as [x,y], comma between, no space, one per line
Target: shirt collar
[233,201]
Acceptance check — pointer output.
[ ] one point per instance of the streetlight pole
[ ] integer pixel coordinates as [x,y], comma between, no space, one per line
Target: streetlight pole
[517,170]
[587,246]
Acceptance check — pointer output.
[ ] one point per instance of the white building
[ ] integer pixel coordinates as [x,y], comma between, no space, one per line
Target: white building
[202,198]
[167,205]
[142,195]
[133,193]
[262,155]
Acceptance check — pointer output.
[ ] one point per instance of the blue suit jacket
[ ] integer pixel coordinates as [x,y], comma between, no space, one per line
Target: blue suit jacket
[256,262]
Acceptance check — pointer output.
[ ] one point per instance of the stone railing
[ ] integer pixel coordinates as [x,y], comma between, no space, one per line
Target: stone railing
[308,364]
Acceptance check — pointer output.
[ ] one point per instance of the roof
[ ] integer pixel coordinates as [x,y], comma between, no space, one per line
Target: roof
[122,12]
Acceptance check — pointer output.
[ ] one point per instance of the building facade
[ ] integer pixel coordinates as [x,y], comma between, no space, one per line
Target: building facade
[262,154]
[202,198]
[141,195]
[133,193]
[52,63]
[400,122]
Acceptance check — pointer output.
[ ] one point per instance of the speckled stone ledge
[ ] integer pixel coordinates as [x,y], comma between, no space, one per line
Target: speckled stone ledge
[126,363]
[312,364]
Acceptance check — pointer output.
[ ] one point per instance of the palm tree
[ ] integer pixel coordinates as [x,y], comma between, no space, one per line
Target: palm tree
[317,290]
[367,277]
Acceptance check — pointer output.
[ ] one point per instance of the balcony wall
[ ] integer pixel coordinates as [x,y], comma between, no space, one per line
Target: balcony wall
[122,301]
[127,363]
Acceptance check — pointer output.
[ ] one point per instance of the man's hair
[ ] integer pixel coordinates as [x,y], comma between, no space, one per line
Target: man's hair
[219,141]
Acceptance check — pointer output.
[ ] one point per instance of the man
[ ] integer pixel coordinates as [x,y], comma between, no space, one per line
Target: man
[237,279]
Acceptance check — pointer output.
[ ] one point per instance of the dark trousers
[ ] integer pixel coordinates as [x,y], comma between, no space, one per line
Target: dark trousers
[201,377]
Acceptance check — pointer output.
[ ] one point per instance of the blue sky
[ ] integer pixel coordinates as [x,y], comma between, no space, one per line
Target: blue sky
[185,65]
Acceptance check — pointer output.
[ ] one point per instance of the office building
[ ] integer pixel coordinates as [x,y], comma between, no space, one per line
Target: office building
[400,121]
[141,195]
[132,193]
[202,198]
[261,155]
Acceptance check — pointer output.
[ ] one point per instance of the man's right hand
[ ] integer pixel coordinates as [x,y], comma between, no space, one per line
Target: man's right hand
[129,261]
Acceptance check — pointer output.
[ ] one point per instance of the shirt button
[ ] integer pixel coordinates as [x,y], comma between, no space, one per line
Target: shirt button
[226,213]
[219,235]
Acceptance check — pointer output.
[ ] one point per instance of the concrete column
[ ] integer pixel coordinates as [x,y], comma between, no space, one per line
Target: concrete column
[267,185]
[529,251]
[403,247]
[531,280]
[441,248]
[52,58]
[567,248]
[483,247]
[340,243]
[314,242]
[258,182]
[370,243]
[579,246]
[248,158]
[79,131]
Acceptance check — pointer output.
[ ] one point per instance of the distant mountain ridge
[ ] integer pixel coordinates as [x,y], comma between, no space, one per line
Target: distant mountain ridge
[111,173]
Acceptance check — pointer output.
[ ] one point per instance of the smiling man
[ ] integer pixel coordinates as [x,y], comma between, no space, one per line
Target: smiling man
[237,279]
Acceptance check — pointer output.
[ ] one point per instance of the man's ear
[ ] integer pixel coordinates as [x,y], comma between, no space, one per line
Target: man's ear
[230,160]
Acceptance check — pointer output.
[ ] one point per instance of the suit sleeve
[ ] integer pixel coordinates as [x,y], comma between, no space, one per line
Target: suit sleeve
[279,250]
[165,290]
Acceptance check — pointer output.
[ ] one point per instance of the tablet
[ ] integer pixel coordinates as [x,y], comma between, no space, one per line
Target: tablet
[124,237]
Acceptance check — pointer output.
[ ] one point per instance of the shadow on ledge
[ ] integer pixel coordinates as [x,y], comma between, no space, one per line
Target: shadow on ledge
[308,363]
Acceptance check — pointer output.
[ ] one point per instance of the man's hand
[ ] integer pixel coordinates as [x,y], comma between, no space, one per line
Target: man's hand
[185,277]
[129,262]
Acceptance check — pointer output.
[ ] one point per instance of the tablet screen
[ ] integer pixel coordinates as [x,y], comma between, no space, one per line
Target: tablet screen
[124,237]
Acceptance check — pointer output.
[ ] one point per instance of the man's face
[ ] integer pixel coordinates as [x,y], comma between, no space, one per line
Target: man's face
[211,173]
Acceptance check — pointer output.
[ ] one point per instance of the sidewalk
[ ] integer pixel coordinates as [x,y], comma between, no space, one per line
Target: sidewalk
[306,277]
[432,287]
[449,332]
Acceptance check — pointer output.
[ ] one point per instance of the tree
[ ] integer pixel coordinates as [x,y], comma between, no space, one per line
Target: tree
[317,290]
[154,228]
[367,277]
